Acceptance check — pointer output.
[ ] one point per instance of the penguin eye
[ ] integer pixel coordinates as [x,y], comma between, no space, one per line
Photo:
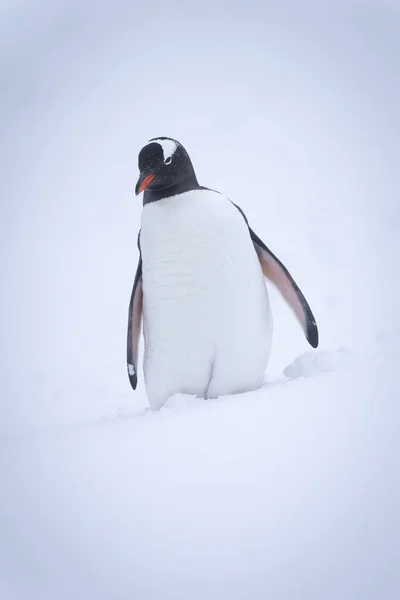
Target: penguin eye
[168,160]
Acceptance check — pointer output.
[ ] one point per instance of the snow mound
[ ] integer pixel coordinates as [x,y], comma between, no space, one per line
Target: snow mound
[311,364]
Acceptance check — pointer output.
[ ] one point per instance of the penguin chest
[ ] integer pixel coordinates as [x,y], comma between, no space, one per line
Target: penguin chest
[203,289]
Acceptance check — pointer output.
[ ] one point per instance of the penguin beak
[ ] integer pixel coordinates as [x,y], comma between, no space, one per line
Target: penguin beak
[143,182]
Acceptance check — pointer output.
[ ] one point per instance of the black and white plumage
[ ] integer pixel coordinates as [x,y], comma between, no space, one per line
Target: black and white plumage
[200,286]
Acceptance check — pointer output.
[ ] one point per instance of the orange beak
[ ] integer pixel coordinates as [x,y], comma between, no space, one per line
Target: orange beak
[143,183]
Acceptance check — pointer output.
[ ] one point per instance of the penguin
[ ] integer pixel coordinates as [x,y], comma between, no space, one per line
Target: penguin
[199,287]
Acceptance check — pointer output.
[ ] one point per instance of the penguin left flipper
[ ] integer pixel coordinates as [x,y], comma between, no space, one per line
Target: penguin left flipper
[276,272]
[134,325]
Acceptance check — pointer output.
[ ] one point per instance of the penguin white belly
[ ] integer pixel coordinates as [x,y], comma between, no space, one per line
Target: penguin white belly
[206,314]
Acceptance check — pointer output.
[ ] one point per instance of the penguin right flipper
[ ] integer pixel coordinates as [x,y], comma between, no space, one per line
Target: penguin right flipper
[134,325]
[278,274]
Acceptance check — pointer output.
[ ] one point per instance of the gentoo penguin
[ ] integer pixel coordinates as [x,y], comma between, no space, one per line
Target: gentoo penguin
[200,285]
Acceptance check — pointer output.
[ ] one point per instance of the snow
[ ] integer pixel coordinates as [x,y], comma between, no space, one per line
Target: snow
[310,364]
[279,493]
[290,492]
[131,369]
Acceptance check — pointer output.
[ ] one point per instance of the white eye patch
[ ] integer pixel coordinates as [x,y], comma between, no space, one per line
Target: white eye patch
[168,147]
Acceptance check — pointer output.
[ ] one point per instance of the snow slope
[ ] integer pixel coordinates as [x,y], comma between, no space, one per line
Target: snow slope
[290,492]
[291,110]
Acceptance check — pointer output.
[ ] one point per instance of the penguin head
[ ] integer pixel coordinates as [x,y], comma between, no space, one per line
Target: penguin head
[165,169]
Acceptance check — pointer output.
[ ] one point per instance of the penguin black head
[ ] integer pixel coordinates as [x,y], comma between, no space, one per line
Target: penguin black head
[165,170]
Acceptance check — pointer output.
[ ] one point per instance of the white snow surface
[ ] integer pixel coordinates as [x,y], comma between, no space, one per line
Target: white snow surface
[205,299]
[290,492]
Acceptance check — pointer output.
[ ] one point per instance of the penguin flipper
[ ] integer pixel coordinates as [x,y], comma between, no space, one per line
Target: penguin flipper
[276,272]
[134,325]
